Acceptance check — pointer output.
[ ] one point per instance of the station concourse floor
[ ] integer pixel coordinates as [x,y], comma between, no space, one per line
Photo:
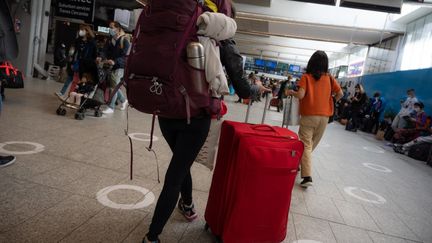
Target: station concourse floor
[363,191]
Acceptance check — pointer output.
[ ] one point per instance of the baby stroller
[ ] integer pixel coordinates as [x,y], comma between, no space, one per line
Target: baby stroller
[93,98]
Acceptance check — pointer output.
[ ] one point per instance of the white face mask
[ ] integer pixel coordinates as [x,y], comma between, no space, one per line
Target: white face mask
[82,33]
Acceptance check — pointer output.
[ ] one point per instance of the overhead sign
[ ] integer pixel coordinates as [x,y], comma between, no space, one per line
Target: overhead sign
[76,9]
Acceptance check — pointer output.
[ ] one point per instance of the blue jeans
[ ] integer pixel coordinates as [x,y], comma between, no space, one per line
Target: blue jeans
[66,84]
[116,77]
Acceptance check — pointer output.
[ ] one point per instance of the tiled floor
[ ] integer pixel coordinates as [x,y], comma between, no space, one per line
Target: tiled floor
[51,196]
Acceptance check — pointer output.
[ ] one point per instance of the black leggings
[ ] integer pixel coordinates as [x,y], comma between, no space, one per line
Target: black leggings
[185,142]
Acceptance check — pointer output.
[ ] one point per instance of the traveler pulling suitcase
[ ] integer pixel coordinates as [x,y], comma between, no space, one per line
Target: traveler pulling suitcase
[250,194]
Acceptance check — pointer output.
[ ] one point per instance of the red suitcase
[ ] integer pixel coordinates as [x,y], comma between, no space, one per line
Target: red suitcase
[251,189]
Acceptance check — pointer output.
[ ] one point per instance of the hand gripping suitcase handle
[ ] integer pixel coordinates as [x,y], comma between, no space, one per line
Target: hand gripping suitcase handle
[265,108]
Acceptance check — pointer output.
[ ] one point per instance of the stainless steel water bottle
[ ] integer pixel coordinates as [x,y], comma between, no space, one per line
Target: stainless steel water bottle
[196,59]
[195,54]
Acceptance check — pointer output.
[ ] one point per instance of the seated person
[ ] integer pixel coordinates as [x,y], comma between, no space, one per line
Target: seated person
[404,148]
[407,108]
[419,126]
[85,86]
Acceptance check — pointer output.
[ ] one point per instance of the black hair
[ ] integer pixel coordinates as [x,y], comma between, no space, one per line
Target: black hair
[318,64]
[419,104]
[377,94]
[410,90]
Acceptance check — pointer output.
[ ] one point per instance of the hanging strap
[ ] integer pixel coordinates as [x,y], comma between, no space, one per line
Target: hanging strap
[150,147]
[183,91]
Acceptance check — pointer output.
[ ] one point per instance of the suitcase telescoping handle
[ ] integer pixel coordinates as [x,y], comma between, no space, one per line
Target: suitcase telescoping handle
[267,101]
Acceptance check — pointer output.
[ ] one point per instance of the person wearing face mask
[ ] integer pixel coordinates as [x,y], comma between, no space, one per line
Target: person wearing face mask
[407,109]
[357,104]
[419,126]
[82,57]
[114,54]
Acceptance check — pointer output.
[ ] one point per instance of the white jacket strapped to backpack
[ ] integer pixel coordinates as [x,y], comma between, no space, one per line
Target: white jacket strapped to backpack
[215,27]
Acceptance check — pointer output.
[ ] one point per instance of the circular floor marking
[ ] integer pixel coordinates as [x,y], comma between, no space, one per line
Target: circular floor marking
[102,197]
[306,241]
[350,191]
[374,150]
[376,167]
[138,137]
[37,148]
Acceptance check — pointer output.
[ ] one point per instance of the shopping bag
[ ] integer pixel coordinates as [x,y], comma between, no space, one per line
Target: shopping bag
[207,154]
[291,112]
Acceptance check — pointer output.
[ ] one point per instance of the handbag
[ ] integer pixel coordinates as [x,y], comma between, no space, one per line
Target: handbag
[291,115]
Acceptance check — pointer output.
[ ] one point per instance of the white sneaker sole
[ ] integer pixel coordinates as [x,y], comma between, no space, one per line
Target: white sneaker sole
[11,162]
[306,185]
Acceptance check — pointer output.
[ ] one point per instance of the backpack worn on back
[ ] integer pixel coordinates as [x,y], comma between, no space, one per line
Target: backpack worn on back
[158,77]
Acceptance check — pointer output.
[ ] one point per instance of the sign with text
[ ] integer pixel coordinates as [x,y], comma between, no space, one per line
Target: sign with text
[76,9]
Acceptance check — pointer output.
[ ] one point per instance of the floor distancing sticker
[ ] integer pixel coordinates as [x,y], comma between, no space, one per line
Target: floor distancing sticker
[37,148]
[102,197]
[350,191]
[376,167]
[138,137]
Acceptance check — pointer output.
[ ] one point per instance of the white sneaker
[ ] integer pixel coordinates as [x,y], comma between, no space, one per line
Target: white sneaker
[108,111]
[124,105]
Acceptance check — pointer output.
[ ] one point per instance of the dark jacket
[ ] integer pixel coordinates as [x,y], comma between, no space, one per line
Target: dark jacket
[358,105]
[85,54]
[233,62]
[281,92]
[117,52]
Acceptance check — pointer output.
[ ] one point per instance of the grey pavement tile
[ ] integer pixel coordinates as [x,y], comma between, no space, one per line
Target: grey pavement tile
[422,227]
[291,232]
[23,205]
[390,223]
[347,234]
[381,238]
[202,177]
[109,225]
[327,189]
[56,222]
[323,208]
[95,180]
[355,215]
[28,167]
[298,204]
[11,186]
[62,176]
[308,228]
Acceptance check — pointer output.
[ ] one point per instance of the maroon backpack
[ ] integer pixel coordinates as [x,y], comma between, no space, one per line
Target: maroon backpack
[157,75]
